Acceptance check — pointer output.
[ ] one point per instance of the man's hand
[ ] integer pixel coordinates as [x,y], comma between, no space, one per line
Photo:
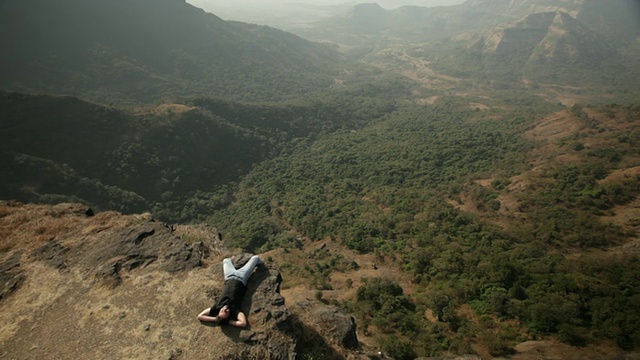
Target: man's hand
[204,316]
[241,322]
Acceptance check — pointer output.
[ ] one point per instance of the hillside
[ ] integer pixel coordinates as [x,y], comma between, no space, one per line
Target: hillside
[483,211]
[175,159]
[141,50]
[368,25]
[117,159]
[543,48]
[486,222]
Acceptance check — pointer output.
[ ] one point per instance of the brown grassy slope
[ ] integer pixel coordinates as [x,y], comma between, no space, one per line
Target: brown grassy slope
[66,306]
[67,313]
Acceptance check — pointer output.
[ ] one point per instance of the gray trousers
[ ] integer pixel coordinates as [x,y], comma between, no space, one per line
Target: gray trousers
[242,274]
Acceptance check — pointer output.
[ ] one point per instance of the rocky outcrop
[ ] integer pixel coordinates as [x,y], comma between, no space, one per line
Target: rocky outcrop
[332,323]
[270,319]
[108,251]
[127,286]
[10,274]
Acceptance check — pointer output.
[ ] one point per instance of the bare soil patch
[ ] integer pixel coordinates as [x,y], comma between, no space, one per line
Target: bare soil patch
[555,127]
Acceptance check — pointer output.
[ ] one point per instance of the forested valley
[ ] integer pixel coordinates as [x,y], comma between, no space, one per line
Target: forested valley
[500,180]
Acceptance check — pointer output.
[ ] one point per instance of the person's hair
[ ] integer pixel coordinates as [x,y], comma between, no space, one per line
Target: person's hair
[215,310]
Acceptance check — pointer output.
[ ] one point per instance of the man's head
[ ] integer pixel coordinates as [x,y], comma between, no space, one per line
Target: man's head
[223,313]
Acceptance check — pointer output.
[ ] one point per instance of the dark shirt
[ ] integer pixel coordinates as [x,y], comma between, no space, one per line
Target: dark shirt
[232,295]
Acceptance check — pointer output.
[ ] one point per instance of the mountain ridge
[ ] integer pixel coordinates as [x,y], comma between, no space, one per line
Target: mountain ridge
[542,48]
[72,47]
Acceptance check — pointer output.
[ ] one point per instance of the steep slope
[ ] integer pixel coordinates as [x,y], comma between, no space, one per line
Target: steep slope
[142,49]
[177,159]
[550,47]
[571,54]
[56,148]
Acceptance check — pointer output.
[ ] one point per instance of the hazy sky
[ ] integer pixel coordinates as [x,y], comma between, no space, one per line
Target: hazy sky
[291,14]
[384,3]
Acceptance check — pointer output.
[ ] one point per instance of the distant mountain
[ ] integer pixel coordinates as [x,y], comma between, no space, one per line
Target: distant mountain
[144,49]
[520,8]
[614,19]
[562,42]
[551,47]
[408,23]
[419,23]
[369,17]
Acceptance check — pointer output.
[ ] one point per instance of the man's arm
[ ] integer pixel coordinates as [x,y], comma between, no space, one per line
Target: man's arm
[241,322]
[204,316]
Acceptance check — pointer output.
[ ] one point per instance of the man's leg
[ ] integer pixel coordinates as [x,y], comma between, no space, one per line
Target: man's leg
[227,268]
[245,272]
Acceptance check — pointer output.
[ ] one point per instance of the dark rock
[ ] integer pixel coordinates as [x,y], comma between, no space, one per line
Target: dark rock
[126,249]
[264,288]
[11,263]
[278,300]
[338,326]
[330,322]
[175,354]
[142,234]
[10,274]
[240,260]
[110,274]
[53,253]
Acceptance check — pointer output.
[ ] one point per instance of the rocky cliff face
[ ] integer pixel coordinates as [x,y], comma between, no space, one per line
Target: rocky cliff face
[74,284]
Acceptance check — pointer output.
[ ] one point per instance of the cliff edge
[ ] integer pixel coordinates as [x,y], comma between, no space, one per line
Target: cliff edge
[74,284]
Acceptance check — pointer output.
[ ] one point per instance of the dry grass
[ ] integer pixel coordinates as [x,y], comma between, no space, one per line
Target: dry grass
[28,227]
[555,127]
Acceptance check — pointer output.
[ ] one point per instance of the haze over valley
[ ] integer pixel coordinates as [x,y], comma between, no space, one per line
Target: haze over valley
[286,14]
[439,178]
